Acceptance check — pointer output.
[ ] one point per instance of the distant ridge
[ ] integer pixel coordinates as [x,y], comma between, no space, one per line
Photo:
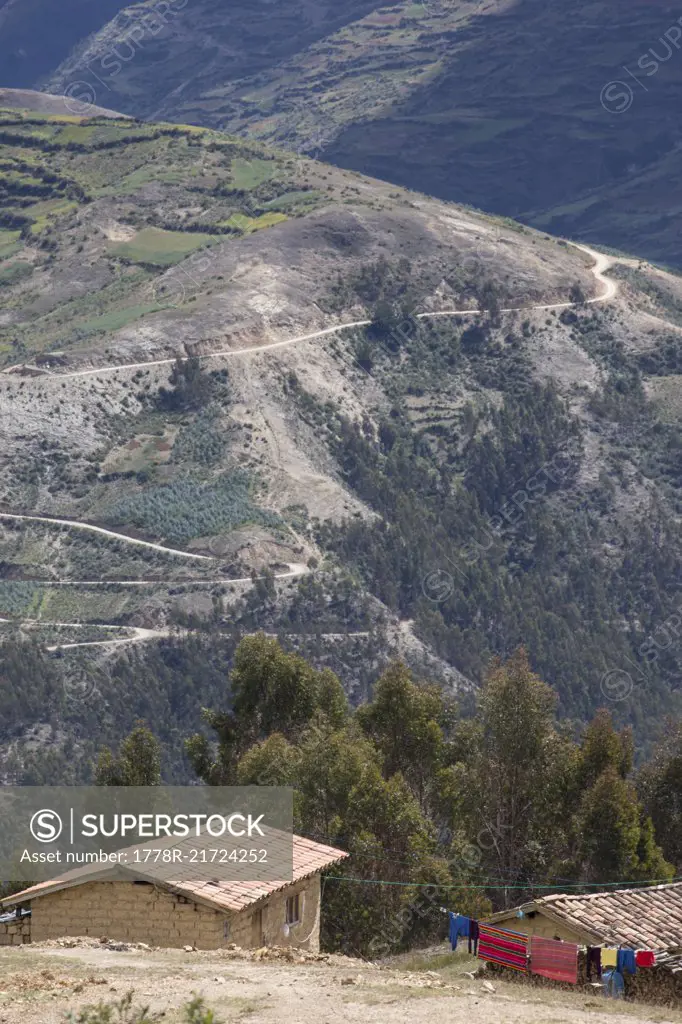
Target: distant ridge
[46,103]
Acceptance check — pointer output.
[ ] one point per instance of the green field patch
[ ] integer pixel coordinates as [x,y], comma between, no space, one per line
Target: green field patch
[22,156]
[12,273]
[81,133]
[160,247]
[89,310]
[188,508]
[134,181]
[247,225]
[41,132]
[142,452]
[10,113]
[18,598]
[69,604]
[110,171]
[194,129]
[292,199]
[248,174]
[44,213]
[13,181]
[118,318]
[9,243]
[106,131]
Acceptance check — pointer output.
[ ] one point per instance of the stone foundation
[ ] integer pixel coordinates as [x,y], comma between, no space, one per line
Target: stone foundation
[15,933]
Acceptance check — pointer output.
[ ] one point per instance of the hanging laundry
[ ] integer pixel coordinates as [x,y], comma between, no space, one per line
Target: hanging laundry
[554,959]
[613,984]
[459,925]
[609,957]
[473,936]
[499,946]
[645,958]
[626,961]
[593,961]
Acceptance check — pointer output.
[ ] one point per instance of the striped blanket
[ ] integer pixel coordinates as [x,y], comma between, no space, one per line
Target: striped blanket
[554,959]
[499,946]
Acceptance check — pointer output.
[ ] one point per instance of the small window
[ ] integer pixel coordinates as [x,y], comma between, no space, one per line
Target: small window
[294,909]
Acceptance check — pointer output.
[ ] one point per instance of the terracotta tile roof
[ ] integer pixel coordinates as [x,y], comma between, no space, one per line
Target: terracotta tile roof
[672,961]
[308,859]
[646,918]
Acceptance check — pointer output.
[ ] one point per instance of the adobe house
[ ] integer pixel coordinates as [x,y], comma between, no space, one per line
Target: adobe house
[205,914]
[646,918]
[643,918]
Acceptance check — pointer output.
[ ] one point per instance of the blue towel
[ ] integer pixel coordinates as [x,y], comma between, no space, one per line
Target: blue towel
[626,961]
[613,984]
[458,926]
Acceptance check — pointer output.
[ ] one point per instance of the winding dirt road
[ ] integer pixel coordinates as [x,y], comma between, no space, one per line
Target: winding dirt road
[602,263]
[107,533]
[140,633]
[295,569]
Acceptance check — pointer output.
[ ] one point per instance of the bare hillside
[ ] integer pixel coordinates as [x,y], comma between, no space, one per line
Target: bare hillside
[46,103]
[244,390]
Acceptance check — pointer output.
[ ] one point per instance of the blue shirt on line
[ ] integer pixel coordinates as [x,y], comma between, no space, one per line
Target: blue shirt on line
[626,961]
[459,926]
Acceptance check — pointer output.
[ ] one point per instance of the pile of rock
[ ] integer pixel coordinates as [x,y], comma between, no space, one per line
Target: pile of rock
[85,941]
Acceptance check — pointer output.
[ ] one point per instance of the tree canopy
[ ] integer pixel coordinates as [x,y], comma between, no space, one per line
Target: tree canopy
[436,809]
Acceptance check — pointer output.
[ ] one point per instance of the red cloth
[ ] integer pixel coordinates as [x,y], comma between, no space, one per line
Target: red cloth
[645,958]
[503,947]
[554,959]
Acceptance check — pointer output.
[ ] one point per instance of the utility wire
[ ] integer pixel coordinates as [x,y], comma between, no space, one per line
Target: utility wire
[494,882]
[508,885]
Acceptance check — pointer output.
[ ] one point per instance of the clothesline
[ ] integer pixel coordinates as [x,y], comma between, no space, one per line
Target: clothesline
[548,958]
[506,885]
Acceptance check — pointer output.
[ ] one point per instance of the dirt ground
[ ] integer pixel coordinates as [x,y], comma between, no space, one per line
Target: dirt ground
[41,983]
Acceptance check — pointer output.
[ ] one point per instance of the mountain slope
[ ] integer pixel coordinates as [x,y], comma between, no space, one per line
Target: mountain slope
[564,117]
[154,60]
[214,347]
[48,103]
[36,36]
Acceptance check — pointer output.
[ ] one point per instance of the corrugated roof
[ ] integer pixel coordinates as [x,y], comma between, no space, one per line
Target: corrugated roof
[645,918]
[308,859]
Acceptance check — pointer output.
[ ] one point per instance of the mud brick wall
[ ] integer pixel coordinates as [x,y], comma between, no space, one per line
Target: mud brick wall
[131,912]
[15,933]
[538,924]
[249,930]
[128,912]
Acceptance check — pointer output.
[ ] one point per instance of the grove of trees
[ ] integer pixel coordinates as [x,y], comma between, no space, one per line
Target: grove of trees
[436,808]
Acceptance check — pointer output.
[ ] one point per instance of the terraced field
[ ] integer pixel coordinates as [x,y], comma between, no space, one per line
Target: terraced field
[242,389]
[442,96]
[91,214]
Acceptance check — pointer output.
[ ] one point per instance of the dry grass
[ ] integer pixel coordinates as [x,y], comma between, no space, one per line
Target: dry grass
[40,985]
[454,968]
